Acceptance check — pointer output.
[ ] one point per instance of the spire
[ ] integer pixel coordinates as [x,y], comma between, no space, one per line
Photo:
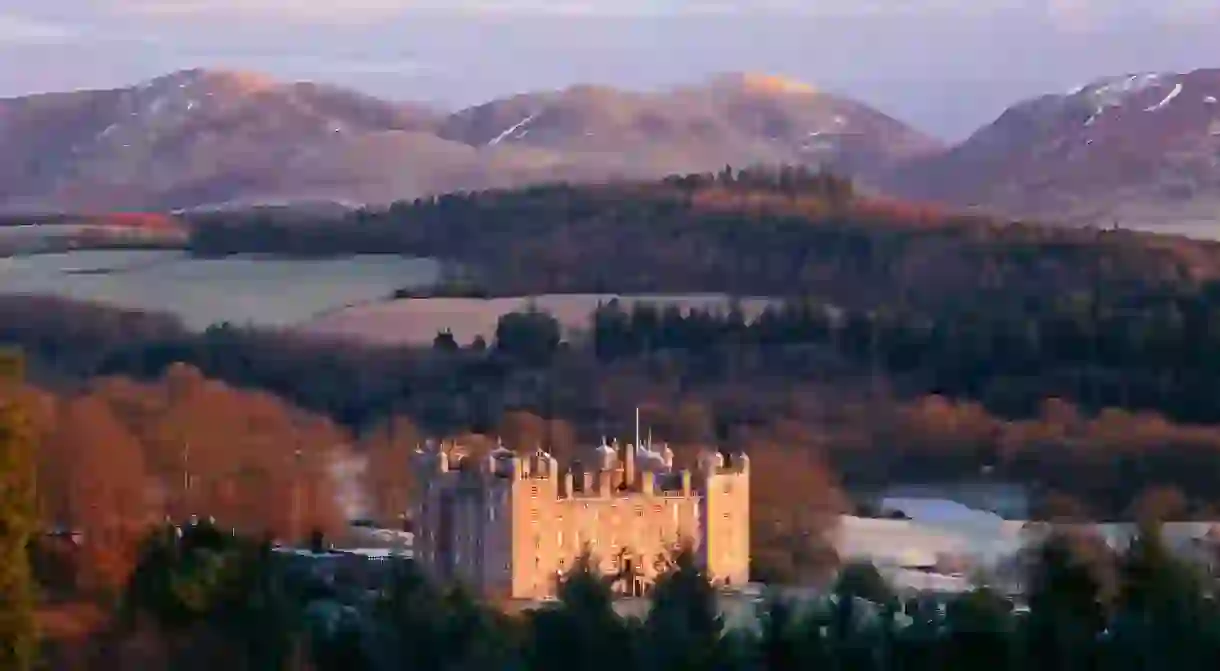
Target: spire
[637,426]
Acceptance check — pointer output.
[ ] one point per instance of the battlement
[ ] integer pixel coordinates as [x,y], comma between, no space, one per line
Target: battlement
[615,472]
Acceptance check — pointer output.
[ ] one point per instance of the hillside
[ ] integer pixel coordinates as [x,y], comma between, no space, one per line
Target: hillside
[737,118]
[1138,149]
[744,233]
[232,139]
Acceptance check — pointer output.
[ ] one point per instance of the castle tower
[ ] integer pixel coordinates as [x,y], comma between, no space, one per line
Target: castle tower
[725,505]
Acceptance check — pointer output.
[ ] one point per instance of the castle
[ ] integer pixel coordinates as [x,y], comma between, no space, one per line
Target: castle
[509,526]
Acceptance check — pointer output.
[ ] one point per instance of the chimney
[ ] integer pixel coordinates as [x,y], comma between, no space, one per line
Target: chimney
[568,484]
[647,482]
[605,480]
[685,482]
[586,482]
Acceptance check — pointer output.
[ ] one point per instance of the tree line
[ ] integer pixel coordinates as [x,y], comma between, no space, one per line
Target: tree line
[1084,605]
[1156,352]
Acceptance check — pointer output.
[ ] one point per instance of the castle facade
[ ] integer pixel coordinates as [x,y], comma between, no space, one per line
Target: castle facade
[509,526]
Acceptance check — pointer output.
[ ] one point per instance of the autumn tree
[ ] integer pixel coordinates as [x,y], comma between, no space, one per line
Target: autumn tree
[794,509]
[18,642]
[387,449]
[522,431]
[108,495]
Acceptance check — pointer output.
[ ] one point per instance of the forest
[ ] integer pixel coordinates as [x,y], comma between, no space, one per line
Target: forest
[904,345]
[1086,606]
[741,233]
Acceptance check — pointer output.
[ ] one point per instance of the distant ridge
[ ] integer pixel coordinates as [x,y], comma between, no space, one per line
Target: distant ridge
[1137,149]
[1140,148]
[221,138]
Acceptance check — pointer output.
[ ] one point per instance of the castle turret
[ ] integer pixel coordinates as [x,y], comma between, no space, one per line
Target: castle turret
[607,458]
[742,461]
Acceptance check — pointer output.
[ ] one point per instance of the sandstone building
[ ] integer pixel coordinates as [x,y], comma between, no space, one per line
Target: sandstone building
[508,525]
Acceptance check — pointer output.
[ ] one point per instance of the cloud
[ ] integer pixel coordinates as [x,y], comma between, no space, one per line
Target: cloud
[376,9]
[1084,14]
[405,66]
[20,30]
[1064,14]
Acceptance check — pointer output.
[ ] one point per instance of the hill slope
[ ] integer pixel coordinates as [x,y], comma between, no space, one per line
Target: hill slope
[736,118]
[202,137]
[1137,146]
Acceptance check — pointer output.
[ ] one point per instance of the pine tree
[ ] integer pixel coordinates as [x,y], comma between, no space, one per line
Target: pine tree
[18,636]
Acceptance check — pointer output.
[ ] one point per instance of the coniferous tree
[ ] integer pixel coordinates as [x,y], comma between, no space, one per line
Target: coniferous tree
[582,630]
[684,630]
[1067,607]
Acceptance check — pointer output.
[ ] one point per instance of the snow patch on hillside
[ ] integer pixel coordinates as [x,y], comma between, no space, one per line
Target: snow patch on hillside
[511,130]
[1177,90]
[1114,92]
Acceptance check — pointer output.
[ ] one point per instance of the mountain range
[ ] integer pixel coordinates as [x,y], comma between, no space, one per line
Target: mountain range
[1143,145]
[1139,148]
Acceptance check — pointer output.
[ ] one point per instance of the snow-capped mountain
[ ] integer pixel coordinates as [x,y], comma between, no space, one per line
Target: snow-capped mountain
[205,137]
[1131,146]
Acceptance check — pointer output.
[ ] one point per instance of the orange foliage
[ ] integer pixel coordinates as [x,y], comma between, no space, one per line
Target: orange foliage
[123,454]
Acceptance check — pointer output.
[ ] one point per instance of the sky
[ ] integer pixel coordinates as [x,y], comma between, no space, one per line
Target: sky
[945,66]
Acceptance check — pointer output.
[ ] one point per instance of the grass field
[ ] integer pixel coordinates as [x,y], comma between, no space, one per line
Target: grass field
[418,320]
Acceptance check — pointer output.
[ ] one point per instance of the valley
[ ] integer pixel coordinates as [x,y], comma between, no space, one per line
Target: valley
[607,346]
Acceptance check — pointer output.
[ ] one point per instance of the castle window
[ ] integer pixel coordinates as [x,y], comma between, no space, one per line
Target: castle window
[559,538]
[491,513]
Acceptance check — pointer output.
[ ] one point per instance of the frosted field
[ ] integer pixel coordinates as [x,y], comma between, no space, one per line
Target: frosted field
[240,289]
[418,320]
[343,297]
